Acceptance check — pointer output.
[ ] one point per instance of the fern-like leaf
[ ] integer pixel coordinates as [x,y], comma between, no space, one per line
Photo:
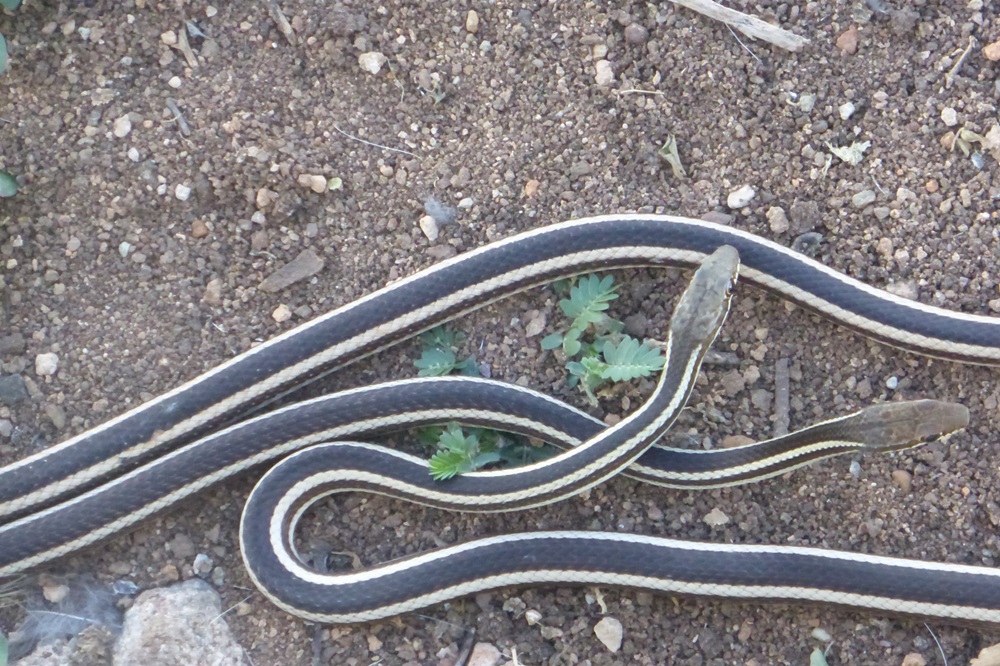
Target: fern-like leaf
[588,299]
[629,360]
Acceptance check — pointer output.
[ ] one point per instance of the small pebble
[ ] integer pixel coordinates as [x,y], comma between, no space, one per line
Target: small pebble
[821,635]
[740,198]
[949,116]
[303,266]
[372,61]
[903,479]
[472,22]
[314,182]
[182,192]
[202,564]
[174,82]
[848,41]
[715,518]
[917,659]
[609,632]
[430,227]
[992,51]
[636,34]
[863,198]
[55,593]
[604,74]
[778,220]
[281,314]
[133,154]
[484,654]
[532,617]
[846,110]
[122,126]
[892,383]
[199,229]
[46,365]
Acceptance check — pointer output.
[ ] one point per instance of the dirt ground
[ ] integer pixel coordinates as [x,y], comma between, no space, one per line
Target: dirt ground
[136,248]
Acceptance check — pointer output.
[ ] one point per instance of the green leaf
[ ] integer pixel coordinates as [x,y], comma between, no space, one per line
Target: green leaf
[588,299]
[590,374]
[817,658]
[3,55]
[454,439]
[8,184]
[552,341]
[629,360]
[430,436]
[485,458]
[436,362]
[571,342]
[446,464]
[441,337]
[468,367]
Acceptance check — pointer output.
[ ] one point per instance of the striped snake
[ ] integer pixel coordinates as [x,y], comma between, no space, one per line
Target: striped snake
[108,478]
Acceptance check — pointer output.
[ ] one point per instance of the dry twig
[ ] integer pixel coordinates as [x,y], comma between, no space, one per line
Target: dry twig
[750,26]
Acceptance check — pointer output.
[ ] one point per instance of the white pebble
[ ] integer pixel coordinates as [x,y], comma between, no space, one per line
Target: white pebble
[532,617]
[741,198]
[949,116]
[315,183]
[46,365]
[715,517]
[472,22]
[892,383]
[430,227]
[182,192]
[846,110]
[281,313]
[122,126]
[604,74]
[467,202]
[174,82]
[133,154]
[609,632]
[372,61]
[211,11]
[124,248]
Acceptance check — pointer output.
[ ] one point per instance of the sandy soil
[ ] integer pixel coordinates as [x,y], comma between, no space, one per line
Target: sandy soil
[136,256]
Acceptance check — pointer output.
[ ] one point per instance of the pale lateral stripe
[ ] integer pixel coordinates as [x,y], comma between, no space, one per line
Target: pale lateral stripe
[663,585]
[332,581]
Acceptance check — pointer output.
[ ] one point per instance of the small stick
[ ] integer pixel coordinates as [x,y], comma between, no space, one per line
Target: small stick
[782,390]
[949,78]
[748,25]
[178,116]
[283,25]
[376,145]
[185,47]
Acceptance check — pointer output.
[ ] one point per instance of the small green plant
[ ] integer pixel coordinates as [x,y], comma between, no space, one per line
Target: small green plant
[459,450]
[605,354]
[586,305]
[440,354]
